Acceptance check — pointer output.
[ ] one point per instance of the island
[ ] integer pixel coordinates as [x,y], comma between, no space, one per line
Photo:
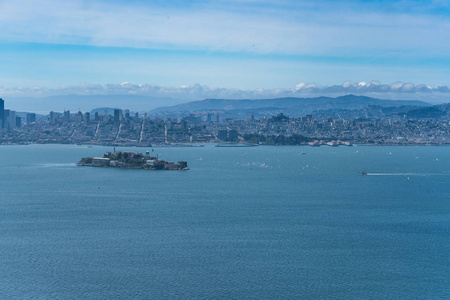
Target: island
[131,160]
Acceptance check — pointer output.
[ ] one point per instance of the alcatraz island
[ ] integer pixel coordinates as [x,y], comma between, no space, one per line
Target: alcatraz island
[131,160]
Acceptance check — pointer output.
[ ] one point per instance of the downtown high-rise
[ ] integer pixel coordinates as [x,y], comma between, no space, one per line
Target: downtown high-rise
[2,113]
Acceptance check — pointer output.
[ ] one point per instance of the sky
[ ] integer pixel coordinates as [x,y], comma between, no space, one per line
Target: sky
[235,48]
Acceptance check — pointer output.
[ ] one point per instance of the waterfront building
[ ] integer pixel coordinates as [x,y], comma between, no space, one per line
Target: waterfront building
[233,135]
[222,134]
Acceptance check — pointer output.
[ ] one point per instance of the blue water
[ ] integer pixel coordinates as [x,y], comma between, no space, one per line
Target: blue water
[254,223]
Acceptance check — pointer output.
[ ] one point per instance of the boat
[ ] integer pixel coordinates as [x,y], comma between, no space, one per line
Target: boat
[147,152]
[303,153]
[362,173]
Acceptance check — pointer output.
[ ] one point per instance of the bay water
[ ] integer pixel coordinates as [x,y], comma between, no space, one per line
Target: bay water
[243,223]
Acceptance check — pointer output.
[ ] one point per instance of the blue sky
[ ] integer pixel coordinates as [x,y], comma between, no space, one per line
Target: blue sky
[248,45]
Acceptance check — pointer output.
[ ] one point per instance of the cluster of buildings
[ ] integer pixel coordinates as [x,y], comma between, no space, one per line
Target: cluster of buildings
[9,119]
[124,128]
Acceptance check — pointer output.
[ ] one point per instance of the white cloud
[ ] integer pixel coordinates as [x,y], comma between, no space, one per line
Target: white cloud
[199,92]
[300,86]
[396,86]
[35,99]
[293,27]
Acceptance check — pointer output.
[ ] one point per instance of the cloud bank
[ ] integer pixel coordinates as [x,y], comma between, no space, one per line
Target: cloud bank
[396,90]
[144,97]
[372,87]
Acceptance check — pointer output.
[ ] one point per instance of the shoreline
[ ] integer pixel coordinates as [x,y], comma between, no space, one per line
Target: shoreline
[220,145]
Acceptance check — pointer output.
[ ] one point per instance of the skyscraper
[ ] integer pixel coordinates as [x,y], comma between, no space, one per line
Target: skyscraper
[5,118]
[9,121]
[117,115]
[87,117]
[2,113]
[12,119]
[67,116]
[52,117]
[31,118]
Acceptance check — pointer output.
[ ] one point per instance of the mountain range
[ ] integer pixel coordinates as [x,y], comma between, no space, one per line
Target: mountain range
[241,109]
[288,106]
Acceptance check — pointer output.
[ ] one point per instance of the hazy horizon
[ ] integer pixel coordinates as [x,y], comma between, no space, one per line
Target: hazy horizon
[142,103]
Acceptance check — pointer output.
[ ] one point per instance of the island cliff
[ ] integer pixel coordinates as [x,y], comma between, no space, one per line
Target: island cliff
[131,160]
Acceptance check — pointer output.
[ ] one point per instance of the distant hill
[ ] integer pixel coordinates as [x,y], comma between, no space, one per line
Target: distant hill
[425,112]
[289,106]
[86,103]
[428,112]
[103,110]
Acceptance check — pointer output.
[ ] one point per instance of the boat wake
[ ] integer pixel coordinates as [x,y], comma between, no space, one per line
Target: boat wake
[55,165]
[403,174]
